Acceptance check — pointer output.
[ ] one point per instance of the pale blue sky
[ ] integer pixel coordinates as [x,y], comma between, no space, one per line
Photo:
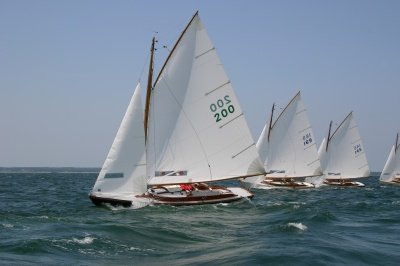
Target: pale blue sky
[68,68]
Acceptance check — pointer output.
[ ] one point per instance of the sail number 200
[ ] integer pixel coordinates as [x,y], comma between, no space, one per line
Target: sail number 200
[222,108]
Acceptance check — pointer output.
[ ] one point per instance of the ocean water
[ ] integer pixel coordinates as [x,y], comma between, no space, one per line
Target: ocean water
[48,219]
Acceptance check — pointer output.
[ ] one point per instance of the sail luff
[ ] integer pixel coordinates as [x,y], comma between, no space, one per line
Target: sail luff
[148,91]
[174,48]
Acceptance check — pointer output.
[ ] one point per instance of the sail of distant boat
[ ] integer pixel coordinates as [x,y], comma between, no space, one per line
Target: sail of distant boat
[391,170]
[287,147]
[342,153]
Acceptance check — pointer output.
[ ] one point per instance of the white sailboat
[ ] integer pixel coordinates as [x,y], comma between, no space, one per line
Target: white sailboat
[391,171]
[288,149]
[195,132]
[342,155]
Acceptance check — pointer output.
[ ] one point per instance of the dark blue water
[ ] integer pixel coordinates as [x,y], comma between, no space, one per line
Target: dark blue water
[48,219]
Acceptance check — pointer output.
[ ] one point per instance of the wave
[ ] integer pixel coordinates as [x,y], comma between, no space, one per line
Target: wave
[300,226]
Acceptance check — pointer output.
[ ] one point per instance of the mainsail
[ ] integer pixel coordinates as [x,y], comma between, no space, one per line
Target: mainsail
[196,130]
[391,170]
[124,170]
[342,153]
[287,147]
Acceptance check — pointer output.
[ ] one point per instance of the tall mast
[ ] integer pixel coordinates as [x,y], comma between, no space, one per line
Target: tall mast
[149,88]
[397,143]
[270,120]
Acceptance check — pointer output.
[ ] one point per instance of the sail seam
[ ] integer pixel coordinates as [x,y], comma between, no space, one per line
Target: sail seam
[231,120]
[358,140]
[243,150]
[301,111]
[203,53]
[313,162]
[304,129]
[365,165]
[226,83]
[306,148]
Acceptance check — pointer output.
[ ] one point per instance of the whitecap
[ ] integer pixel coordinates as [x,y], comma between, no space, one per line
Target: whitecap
[298,226]
[8,225]
[86,240]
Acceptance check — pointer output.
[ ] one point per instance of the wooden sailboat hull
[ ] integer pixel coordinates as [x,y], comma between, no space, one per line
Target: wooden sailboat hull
[178,197]
[395,181]
[286,182]
[343,183]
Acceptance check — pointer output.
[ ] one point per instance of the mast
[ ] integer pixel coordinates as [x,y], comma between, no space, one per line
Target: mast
[149,88]
[270,120]
[397,143]
[329,136]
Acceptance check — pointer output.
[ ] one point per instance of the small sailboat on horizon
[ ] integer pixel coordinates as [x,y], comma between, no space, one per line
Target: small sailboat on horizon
[391,171]
[342,155]
[194,133]
[288,149]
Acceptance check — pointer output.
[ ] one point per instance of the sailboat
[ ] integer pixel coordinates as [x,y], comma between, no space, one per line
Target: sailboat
[288,149]
[342,155]
[391,171]
[195,132]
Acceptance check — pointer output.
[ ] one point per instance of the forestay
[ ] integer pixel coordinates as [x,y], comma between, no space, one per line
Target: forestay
[196,129]
[124,170]
[342,154]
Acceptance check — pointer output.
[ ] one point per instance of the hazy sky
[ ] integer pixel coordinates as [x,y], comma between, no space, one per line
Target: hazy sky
[68,68]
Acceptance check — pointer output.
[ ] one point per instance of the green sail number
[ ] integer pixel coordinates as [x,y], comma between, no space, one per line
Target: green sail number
[222,108]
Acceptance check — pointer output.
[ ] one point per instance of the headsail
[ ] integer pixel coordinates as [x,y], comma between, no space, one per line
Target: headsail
[196,130]
[342,155]
[289,147]
[124,170]
[391,169]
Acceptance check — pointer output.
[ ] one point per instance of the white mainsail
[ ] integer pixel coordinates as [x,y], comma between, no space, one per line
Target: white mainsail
[287,147]
[196,130]
[391,169]
[342,154]
[124,170]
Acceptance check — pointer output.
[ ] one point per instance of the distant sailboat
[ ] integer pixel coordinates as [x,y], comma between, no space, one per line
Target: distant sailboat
[194,129]
[391,171]
[288,149]
[342,155]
